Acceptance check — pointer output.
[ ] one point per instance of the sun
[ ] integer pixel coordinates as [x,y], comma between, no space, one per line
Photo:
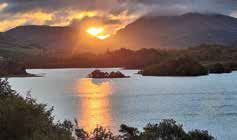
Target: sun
[97,32]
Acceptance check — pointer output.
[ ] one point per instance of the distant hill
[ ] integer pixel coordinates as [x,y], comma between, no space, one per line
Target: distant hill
[9,41]
[45,36]
[183,31]
[9,46]
[55,38]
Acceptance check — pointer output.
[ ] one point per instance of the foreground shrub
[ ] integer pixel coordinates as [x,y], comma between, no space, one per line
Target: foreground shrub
[199,135]
[24,119]
[165,130]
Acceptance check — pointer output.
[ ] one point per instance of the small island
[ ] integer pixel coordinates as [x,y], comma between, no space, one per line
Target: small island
[100,74]
[181,66]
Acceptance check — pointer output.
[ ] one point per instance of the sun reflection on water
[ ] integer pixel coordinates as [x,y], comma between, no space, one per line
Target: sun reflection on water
[94,103]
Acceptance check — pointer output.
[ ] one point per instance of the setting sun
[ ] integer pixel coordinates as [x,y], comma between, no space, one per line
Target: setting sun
[97,32]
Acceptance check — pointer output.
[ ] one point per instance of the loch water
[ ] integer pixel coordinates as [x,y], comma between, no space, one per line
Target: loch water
[205,102]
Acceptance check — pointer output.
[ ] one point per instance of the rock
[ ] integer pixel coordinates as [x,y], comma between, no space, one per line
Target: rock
[99,74]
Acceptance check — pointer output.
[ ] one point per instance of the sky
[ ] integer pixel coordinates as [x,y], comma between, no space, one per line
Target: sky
[111,14]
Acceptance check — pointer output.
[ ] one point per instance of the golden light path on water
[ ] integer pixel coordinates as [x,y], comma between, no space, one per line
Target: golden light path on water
[94,103]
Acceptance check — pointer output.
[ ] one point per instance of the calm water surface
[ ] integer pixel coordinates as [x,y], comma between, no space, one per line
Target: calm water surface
[206,102]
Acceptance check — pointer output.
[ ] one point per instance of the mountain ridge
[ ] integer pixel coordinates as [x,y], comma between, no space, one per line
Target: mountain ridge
[183,31]
[188,30]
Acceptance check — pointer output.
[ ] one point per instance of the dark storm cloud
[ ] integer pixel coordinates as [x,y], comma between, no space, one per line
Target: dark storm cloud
[117,6]
[16,6]
[54,5]
[178,6]
[111,12]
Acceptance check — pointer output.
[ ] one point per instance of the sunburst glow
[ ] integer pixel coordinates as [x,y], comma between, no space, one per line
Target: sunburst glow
[97,32]
[103,36]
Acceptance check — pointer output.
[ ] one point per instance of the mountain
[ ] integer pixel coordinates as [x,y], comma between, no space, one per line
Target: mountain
[8,41]
[10,46]
[63,39]
[188,30]
[44,36]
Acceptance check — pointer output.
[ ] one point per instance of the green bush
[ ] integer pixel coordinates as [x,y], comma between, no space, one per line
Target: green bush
[165,130]
[24,119]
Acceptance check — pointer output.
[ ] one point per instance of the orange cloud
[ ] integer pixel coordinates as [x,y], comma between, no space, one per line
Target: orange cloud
[125,19]
[3,6]
[64,18]
[8,24]
[37,17]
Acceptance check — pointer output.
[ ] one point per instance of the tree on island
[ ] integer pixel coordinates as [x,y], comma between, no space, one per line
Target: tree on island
[100,74]
[180,66]
[219,68]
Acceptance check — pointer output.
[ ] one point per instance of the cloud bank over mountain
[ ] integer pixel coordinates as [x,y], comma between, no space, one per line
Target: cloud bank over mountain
[114,14]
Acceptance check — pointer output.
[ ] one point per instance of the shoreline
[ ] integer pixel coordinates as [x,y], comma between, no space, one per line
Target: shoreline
[20,75]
